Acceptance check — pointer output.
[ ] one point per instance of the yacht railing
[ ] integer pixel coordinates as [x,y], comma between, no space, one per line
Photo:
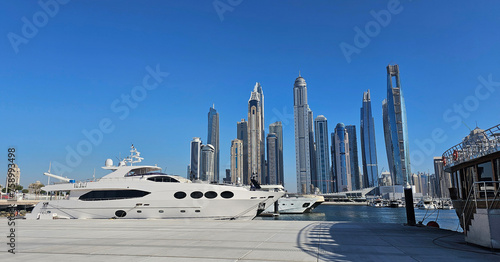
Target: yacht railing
[484,195]
[483,143]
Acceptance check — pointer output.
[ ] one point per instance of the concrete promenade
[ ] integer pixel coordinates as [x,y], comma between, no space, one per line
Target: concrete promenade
[260,240]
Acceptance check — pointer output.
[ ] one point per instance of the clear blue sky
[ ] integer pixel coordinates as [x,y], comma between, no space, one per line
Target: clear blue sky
[64,79]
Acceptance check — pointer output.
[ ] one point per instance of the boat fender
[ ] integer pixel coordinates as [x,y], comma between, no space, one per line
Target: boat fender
[433,224]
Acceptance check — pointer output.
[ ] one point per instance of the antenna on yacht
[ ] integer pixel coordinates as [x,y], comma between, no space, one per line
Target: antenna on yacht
[135,156]
[94,175]
[48,177]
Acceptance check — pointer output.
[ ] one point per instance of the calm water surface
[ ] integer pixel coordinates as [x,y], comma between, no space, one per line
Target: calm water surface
[447,219]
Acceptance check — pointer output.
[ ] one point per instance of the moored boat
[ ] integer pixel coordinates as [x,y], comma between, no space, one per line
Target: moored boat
[137,192]
[474,165]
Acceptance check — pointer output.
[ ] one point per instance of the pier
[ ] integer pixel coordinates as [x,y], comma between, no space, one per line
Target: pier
[256,240]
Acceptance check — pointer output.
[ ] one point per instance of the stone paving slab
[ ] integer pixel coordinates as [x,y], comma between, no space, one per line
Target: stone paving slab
[258,240]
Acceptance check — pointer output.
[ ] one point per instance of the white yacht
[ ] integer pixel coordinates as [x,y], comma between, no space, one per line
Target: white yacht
[296,204]
[137,192]
[427,203]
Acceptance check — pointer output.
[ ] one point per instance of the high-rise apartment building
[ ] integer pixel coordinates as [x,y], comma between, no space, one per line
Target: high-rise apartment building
[277,129]
[237,158]
[213,139]
[207,163]
[443,179]
[255,157]
[341,159]
[272,159]
[356,180]
[304,141]
[396,129]
[195,159]
[323,172]
[258,89]
[242,134]
[368,145]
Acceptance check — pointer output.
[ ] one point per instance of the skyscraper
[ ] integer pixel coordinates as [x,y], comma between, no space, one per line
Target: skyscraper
[207,163]
[258,89]
[396,129]
[277,128]
[312,150]
[356,180]
[368,145]
[323,172]
[443,179]
[195,158]
[341,159]
[213,138]
[303,130]
[242,134]
[387,137]
[272,159]
[255,138]
[237,161]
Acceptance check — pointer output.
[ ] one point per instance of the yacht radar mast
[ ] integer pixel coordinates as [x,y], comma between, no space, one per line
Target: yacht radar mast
[135,156]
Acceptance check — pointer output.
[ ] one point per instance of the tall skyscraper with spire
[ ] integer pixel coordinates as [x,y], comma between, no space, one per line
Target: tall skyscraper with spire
[242,134]
[368,145]
[304,141]
[213,139]
[258,89]
[255,159]
[324,176]
[277,128]
[396,129]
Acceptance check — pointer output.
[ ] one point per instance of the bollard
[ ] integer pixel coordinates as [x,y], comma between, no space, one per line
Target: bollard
[410,211]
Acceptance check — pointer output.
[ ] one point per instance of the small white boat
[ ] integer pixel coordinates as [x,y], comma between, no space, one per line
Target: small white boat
[377,203]
[427,203]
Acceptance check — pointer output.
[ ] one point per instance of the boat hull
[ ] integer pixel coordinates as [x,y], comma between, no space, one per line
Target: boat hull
[160,203]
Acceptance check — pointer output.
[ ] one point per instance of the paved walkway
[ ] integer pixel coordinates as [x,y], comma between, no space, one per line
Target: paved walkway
[260,240]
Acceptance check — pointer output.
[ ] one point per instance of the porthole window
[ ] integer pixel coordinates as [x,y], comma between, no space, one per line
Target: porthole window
[197,211]
[196,194]
[210,194]
[139,211]
[227,194]
[120,213]
[160,211]
[180,195]
[305,204]
[183,211]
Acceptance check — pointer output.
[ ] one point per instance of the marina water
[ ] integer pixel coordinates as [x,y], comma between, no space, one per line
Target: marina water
[447,219]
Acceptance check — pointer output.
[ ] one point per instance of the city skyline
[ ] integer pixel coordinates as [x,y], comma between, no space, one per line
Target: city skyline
[77,85]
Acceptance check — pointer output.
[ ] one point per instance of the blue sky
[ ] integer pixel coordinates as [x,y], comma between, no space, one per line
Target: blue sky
[86,55]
